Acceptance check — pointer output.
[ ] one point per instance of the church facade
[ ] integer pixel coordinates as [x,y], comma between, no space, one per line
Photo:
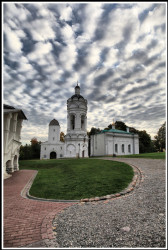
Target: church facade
[107,142]
[76,139]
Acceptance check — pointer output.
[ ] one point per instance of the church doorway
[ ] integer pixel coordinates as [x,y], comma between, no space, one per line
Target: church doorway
[83,153]
[53,155]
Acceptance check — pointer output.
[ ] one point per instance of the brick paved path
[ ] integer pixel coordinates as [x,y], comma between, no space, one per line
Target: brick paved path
[26,221]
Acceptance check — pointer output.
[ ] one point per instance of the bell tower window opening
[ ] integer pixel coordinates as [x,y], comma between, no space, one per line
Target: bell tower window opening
[72,122]
[82,122]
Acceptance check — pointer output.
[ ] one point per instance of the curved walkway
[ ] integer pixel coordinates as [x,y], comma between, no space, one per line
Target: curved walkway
[27,221]
[133,221]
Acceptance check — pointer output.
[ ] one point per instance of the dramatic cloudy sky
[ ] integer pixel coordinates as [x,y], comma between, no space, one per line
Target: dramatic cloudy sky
[117,52]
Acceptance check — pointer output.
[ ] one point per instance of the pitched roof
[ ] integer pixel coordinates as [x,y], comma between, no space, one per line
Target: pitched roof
[10,109]
[115,131]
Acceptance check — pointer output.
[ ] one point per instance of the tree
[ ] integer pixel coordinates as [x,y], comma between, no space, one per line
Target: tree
[145,143]
[62,136]
[160,138]
[94,131]
[118,125]
[31,151]
[25,152]
[34,141]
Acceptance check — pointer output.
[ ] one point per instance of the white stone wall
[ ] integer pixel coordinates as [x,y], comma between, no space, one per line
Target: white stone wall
[54,134]
[11,143]
[53,144]
[47,148]
[76,146]
[98,144]
[136,145]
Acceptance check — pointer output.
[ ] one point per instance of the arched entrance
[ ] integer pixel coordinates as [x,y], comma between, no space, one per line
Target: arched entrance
[83,153]
[53,155]
[9,167]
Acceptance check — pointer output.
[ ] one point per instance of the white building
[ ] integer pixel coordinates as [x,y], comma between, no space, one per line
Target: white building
[53,148]
[76,139]
[114,142]
[12,123]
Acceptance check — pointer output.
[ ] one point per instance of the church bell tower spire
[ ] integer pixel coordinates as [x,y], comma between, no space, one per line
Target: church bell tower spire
[77,89]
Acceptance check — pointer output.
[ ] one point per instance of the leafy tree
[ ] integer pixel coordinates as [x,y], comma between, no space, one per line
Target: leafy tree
[145,143]
[34,141]
[31,151]
[62,136]
[94,131]
[25,152]
[160,138]
[118,125]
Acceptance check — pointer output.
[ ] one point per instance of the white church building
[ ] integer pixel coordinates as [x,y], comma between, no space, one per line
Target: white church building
[114,142]
[107,142]
[76,139]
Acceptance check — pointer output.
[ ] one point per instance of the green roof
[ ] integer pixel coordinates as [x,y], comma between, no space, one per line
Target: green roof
[115,131]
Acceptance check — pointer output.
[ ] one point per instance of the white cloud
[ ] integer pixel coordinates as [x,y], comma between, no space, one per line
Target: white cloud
[66,13]
[16,12]
[68,56]
[13,42]
[41,30]
[40,49]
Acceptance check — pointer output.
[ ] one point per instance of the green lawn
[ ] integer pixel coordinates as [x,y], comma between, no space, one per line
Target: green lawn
[157,155]
[74,179]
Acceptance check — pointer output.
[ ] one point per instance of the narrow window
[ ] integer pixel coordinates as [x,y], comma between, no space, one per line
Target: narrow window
[53,138]
[129,148]
[116,148]
[45,148]
[73,122]
[122,148]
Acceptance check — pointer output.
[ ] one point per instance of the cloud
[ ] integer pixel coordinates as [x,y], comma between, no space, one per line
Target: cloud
[12,41]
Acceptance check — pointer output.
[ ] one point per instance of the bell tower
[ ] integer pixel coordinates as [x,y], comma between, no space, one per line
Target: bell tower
[76,139]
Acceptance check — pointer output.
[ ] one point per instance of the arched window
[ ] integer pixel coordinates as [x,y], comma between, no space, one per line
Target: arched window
[72,122]
[82,122]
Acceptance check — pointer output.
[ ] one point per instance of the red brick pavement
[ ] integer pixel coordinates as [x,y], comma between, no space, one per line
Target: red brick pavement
[26,221]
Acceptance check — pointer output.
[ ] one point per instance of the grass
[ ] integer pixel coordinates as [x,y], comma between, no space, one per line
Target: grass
[157,155]
[75,179]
